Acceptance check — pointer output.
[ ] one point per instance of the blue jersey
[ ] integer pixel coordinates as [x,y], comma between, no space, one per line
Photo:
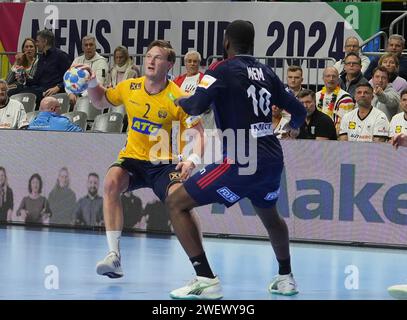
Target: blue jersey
[241,91]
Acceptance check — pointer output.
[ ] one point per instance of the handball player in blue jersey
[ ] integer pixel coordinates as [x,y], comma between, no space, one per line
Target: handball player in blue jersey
[241,92]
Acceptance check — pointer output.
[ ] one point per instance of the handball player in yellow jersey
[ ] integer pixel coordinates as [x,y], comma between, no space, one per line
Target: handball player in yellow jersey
[149,103]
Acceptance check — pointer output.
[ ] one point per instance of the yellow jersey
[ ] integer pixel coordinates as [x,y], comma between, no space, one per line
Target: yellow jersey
[150,118]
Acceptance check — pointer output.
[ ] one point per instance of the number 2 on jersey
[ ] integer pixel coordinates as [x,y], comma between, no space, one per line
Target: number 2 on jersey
[263,103]
[148,110]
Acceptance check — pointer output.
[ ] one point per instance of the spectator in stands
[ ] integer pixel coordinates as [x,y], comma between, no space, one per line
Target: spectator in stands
[51,66]
[352,74]
[25,65]
[35,208]
[294,80]
[385,98]
[365,123]
[279,122]
[189,80]
[352,45]
[317,125]
[398,123]
[50,118]
[395,45]
[6,197]
[132,209]
[62,200]
[94,60]
[391,63]
[89,209]
[12,113]
[123,67]
[332,100]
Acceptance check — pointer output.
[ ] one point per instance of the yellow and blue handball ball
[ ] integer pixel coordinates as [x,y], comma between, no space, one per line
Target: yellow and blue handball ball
[76,80]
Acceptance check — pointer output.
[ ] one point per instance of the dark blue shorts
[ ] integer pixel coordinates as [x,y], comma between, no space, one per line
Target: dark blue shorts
[222,183]
[144,174]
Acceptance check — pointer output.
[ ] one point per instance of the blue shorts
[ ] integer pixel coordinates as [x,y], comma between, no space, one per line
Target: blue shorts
[222,183]
[144,174]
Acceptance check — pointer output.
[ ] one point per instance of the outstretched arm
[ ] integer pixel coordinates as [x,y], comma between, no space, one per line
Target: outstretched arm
[96,92]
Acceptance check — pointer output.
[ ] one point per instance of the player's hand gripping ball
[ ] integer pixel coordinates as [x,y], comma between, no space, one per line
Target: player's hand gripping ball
[76,80]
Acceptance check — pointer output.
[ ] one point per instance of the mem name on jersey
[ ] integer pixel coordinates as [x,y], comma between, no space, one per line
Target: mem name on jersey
[150,119]
[375,124]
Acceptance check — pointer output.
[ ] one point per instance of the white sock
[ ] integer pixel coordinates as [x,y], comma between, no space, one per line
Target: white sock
[113,241]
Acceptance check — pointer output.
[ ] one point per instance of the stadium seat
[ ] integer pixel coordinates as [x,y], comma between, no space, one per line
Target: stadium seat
[27,99]
[118,109]
[108,122]
[78,117]
[83,104]
[63,100]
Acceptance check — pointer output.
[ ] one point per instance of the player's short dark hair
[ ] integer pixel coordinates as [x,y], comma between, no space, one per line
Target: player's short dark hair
[240,34]
[165,45]
[305,93]
[48,36]
[402,93]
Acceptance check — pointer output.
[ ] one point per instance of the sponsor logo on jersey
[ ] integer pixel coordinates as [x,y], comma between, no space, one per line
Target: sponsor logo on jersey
[162,114]
[398,129]
[352,125]
[175,176]
[261,129]
[135,86]
[272,195]
[228,195]
[145,127]
[206,81]
[382,130]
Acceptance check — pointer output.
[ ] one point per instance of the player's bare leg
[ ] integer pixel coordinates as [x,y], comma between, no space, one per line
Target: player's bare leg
[277,230]
[116,182]
[184,220]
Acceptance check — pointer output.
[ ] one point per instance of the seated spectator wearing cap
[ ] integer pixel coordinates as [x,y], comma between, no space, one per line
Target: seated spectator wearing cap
[189,80]
[123,67]
[50,119]
[12,112]
[94,60]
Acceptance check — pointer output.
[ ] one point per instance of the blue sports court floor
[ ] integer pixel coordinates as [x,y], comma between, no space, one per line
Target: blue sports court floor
[60,264]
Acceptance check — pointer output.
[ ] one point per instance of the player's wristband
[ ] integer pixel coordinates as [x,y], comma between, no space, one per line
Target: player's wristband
[93,83]
[195,159]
